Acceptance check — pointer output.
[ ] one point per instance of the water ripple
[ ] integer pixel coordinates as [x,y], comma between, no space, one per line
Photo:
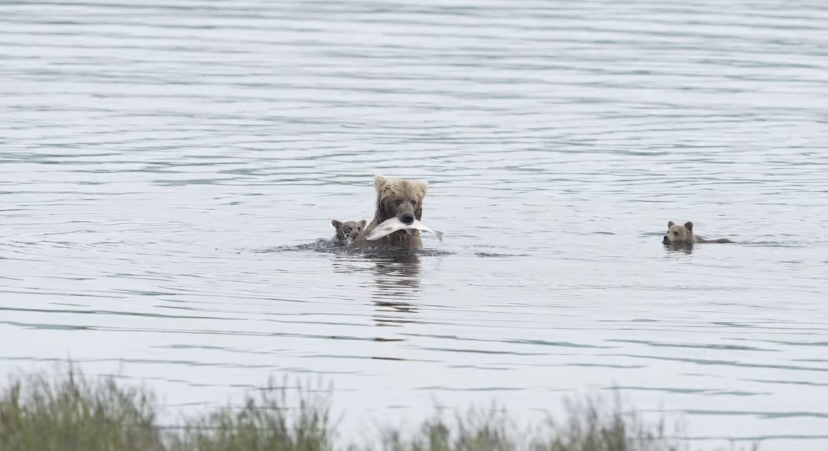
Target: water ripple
[169,170]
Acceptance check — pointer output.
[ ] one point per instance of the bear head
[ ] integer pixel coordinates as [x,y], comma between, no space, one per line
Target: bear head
[679,234]
[399,198]
[346,232]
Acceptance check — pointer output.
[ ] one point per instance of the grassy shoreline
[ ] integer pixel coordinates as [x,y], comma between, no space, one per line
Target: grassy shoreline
[68,411]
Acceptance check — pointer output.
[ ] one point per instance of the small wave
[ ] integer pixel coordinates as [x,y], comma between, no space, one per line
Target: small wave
[327,246]
[498,255]
[320,245]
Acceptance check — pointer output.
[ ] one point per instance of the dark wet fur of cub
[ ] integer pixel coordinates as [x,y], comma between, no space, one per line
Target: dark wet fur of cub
[683,235]
[347,232]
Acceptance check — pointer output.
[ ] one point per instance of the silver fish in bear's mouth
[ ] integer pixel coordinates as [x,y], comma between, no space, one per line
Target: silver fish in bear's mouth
[392,225]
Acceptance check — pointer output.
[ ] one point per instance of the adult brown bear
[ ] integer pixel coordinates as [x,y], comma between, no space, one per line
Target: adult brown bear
[400,198]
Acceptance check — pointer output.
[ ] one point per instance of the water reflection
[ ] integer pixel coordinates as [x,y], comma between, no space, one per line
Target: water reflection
[686,248]
[396,280]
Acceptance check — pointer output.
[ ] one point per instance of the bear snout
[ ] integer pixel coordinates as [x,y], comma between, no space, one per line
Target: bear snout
[665,240]
[407,218]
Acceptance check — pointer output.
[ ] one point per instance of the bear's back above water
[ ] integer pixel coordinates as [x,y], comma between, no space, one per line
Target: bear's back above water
[683,234]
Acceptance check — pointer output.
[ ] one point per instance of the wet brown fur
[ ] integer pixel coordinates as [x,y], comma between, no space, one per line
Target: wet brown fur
[396,197]
[347,232]
[683,234]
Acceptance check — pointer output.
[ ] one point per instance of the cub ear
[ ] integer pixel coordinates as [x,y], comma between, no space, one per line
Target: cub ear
[689,225]
[363,223]
[336,224]
[380,182]
[670,224]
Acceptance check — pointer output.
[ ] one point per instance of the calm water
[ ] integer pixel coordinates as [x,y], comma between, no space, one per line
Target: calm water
[156,158]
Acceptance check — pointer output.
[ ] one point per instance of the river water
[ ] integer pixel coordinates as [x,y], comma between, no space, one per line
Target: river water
[164,166]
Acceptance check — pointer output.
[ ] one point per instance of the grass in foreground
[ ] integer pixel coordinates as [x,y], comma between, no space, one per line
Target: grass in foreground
[71,412]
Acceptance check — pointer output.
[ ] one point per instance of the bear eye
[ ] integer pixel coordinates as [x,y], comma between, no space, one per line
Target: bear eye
[675,233]
[414,203]
[399,202]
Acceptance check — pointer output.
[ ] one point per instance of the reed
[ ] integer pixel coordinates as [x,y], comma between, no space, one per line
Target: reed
[68,411]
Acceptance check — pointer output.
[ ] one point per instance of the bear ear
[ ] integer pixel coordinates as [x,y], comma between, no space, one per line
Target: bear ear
[363,223]
[422,185]
[380,182]
[336,223]
[670,224]
[689,225]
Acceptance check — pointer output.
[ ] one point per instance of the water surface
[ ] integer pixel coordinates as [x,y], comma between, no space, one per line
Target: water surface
[157,158]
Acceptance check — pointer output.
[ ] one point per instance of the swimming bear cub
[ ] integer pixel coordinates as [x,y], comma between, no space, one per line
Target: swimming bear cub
[683,234]
[346,232]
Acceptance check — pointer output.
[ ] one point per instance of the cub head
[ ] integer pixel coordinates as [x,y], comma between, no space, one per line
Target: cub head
[399,198]
[346,232]
[679,234]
